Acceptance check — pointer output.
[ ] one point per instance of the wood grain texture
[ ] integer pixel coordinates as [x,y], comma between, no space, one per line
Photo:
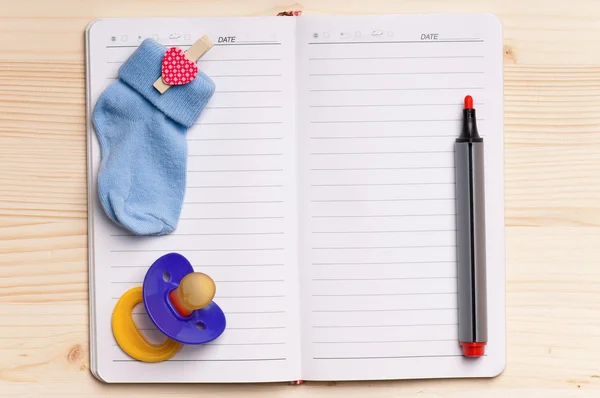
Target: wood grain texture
[552,135]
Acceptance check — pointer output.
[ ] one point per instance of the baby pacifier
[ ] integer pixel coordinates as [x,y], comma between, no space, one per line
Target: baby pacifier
[178,302]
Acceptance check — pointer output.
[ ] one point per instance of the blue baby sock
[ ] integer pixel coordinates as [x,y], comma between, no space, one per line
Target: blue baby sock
[142,136]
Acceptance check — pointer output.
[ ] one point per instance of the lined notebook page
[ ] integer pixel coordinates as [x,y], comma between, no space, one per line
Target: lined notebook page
[379,108]
[238,222]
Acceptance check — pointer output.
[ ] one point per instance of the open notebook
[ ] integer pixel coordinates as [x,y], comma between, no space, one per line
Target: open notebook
[320,197]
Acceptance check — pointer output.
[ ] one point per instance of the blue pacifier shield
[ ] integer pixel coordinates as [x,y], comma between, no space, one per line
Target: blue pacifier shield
[163,276]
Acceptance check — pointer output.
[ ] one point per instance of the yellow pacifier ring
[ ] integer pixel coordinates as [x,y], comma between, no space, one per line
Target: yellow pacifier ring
[129,337]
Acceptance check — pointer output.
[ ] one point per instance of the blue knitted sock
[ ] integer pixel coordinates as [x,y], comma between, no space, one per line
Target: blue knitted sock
[142,136]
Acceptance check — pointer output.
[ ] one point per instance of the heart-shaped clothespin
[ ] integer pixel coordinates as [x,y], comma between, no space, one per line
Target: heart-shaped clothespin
[177,69]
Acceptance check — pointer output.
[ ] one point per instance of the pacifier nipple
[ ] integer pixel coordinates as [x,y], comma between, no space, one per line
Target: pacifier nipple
[196,290]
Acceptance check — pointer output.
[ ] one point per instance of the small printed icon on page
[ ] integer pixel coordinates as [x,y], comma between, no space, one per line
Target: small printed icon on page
[377,33]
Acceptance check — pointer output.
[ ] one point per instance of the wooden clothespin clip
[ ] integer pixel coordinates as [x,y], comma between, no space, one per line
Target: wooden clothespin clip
[193,54]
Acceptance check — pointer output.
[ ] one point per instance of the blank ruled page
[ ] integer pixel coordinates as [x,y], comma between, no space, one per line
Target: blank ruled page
[238,222]
[379,107]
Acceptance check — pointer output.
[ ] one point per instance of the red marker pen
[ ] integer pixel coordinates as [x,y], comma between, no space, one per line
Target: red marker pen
[470,236]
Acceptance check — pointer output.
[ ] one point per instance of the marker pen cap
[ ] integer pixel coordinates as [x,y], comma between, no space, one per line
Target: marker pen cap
[473,350]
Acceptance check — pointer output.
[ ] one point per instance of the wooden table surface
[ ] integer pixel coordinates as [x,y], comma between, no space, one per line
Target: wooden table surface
[552,134]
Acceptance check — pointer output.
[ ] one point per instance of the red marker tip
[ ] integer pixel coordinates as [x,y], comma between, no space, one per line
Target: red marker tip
[468,102]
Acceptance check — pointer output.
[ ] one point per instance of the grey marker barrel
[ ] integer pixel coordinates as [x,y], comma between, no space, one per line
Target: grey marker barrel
[471,251]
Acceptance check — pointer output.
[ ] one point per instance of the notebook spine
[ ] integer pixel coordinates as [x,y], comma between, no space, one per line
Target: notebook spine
[289,14]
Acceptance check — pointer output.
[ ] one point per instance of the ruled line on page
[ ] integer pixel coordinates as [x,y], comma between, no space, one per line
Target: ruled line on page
[234,154]
[241,59]
[383,215]
[247,91]
[383,121]
[399,42]
[248,344]
[380,326]
[240,265]
[256,328]
[218,60]
[205,265]
[237,186]
[382,184]
[246,107]
[382,168]
[400,89]
[380,137]
[266,43]
[221,281]
[236,139]
[380,247]
[233,297]
[387,121]
[381,310]
[387,105]
[387,263]
[234,218]
[378,153]
[184,45]
[210,360]
[199,250]
[251,297]
[209,234]
[396,73]
[383,341]
[380,294]
[122,46]
[201,61]
[237,123]
[395,57]
[251,281]
[235,171]
[232,344]
[242,42]
[384,231]
[251,76]
[230,312]
[380,279]
[228,360]
[256,312]
[237,203]
[377,200]
[390,357]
